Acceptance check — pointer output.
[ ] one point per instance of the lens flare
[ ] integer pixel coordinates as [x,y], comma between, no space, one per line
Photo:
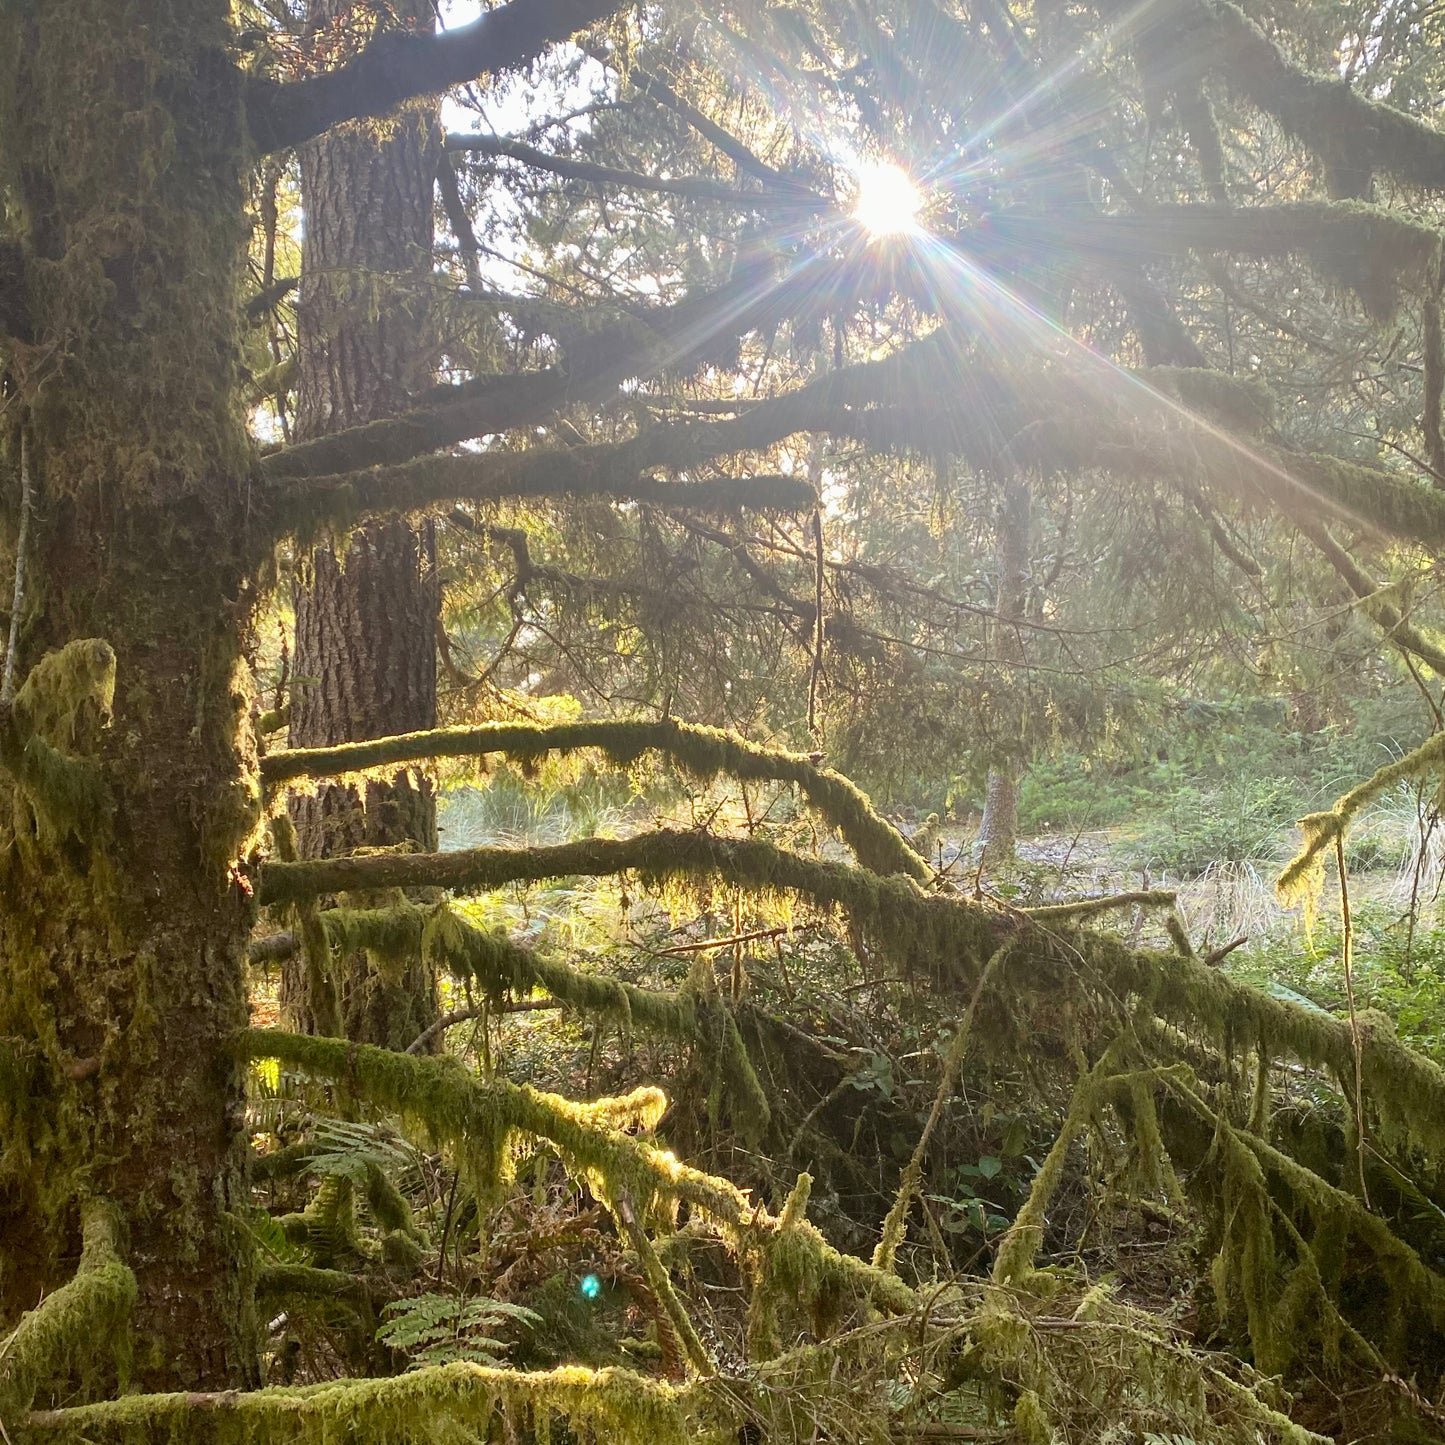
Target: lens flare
[887,202]
[590,1287]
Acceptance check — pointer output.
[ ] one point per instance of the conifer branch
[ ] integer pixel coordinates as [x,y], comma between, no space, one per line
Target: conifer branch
[555,473]
[602,347]
[1367,248]
[702,751]
[399,66]
[946,938]
[1356,136]
[698,188]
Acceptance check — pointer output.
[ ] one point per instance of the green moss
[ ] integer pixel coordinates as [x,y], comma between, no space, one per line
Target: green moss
[702,752]
[452,1404]
[1303,878]
[80,1330]
[45,736]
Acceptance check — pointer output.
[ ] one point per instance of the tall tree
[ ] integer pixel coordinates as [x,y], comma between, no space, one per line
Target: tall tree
[366,617]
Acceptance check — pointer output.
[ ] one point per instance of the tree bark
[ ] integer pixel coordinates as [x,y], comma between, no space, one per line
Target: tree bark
[122,931]
[365,656]
[999,828]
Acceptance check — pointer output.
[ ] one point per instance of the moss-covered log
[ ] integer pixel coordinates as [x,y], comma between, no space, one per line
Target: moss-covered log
[702,752]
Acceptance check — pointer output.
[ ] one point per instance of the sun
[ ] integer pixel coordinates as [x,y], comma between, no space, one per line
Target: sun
[887,202]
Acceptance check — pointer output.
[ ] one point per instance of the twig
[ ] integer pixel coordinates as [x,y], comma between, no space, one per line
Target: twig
[461,1015]
[1218,955]
[707,943]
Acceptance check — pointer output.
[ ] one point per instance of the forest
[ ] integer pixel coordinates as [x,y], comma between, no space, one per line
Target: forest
[722,723]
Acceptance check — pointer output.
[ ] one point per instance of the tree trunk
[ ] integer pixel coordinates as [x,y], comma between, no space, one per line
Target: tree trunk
[365,658]
[122,928]
[999,828]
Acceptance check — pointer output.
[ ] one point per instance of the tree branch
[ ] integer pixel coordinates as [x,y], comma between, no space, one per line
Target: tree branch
[399,66]
[544,472]
[939,936]
[602,349]
[690,187]
[1367,248]
[703,751]
[1355,135]
[86,1318]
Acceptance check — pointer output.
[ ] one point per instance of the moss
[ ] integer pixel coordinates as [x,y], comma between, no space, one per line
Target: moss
[443,1405]
[702,752]
[45,736]
[949,938]
[77,1331]
[1303,877]
[477,1116]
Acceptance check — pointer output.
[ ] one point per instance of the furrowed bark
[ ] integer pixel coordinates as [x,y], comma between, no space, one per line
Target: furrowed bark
[121,946]
[366,609]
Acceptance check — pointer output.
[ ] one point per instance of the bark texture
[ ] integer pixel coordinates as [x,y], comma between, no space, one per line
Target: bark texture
[122,928]
[999,829]
[365,657]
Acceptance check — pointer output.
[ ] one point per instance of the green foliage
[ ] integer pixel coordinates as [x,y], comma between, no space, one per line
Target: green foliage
[439,1329]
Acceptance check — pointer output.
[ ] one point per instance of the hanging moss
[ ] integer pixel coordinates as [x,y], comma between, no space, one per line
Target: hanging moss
[476,1115]
[948,939]
[447,939]
[702,752]
[79,1333]
[1303,877]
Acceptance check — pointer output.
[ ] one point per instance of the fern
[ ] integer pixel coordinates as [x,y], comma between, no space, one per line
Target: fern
[437,1329]
[348,1150]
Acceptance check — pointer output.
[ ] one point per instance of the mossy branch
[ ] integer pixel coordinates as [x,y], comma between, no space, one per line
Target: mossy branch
[445,938]
[943,937]
[1303,876]
[600,470]
[477,1116]
[1356,135]
[602,347]
[69,795]
[1367,248]
[70,1333]
[55,717]
[703,752]
[442,1403]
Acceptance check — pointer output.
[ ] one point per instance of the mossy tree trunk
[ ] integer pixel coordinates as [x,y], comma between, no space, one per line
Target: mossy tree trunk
[122,930]
[366,618]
